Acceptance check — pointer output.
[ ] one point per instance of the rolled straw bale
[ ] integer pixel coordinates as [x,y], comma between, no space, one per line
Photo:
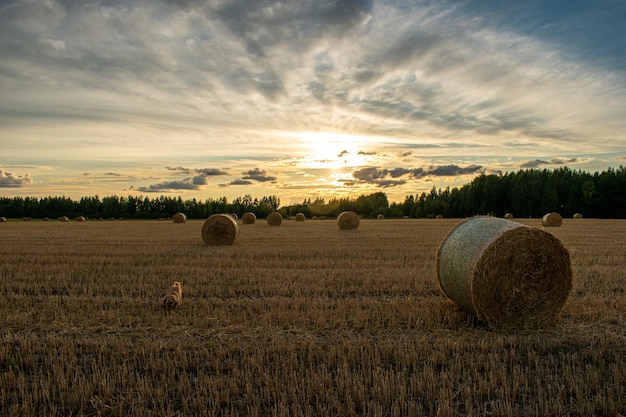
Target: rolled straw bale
[348,220]
[64,219]
[220,229]
[274,218]
[578,216]
[300,217]
[179,218]
[552,220]
[380,216]
[508,216]
[439,216]
[79,218]
[234,216]
[3,219]
[248,218]
[510,275]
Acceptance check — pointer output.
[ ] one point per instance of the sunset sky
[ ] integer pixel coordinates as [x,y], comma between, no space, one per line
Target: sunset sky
[303,99]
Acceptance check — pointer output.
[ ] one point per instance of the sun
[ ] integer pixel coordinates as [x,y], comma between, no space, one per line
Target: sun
[331,150]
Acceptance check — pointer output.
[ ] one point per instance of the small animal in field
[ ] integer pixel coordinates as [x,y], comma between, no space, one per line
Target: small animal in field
[174,296]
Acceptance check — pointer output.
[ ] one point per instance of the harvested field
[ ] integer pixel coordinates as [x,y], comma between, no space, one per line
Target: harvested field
[298,320]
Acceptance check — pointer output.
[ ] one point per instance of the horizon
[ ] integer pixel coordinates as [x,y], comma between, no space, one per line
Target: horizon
[307,100]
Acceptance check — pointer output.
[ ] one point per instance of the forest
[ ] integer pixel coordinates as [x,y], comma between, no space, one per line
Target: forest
[525,193]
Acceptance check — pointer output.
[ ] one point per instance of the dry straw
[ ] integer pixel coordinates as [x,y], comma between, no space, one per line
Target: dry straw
[248,218]
[578,216]
[300,217]
[179,218]
[348,220]
[220,229]
[552,220]
[510,275]
[274,219]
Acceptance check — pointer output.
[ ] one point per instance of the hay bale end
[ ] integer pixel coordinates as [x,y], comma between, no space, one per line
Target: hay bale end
[219,230]
[348,220]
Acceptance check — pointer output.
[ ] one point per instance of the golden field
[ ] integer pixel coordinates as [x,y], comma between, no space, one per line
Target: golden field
[296,320]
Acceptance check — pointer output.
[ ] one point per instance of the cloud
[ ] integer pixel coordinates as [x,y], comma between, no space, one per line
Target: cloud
[171,186]
[386,178]
[10,180]
[240,182]
[554,161]
[259,175]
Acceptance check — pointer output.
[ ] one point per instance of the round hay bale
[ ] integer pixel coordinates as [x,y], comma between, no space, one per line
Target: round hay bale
[439,216]
[79,218]
[300,217]
[348,220]
[510,275]
[577,216]
[64,219]
[220,229]
[380,216]
[508,216]
[552,220]
[234,216]
[179,218]
[274,219]
[3,219]
[248,218]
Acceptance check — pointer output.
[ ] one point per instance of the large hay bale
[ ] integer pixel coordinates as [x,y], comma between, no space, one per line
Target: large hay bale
[79,218]
[220,229]
[64,219]
[510,275]
[3,219]
[274,218]
[234,216]
[179,218]
[439,216]
[300,217]
[348,220]
[508,216]
[578,216]
[380,216]
[552,220]
[248,218]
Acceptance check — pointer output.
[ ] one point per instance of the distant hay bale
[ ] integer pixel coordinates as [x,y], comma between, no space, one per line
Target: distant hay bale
[508,216]
[348,220]
[300,217]
[64,219]
[552,220]
[274,219]
[179,218]
[380,216]
[3,219]
[234,216]
[220,229]
[439,216]
[510,275]
[248,218]
[577,216]
[79,218]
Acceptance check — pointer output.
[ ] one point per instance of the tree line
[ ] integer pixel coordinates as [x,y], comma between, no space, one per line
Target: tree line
[525,193]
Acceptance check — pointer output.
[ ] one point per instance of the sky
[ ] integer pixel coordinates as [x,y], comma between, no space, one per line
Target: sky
[305,98]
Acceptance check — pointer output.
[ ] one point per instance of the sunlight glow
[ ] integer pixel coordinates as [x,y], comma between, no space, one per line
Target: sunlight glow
[333,150]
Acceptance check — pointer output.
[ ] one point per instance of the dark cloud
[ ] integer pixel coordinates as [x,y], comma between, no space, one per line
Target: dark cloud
[258,175]
[207,172]
[554,161]
[343,153]
[240,182]
[386,178]
[454,170]
[171,186]
[10,180]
